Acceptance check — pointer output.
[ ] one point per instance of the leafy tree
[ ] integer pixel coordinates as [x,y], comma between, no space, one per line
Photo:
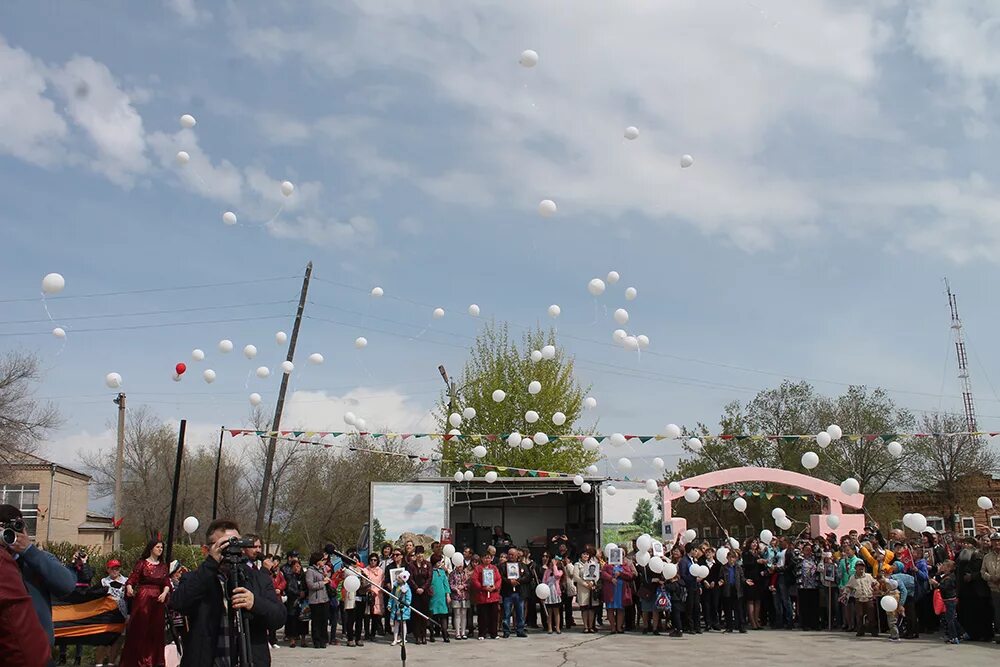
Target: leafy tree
[24,421]
[378,534]
[643,514]
[496,362]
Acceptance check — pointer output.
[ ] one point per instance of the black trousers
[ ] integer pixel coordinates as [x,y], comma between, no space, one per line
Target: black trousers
[568,611]
[422,605]
[809,608]
[373,626]
[710,603]
[352,624]
[693,609]
[489,614]
[676,618]
[319,621]
[732,610]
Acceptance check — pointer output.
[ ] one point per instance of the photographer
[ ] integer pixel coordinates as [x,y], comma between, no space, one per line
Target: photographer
[43,575]
[203,596]
[22,640]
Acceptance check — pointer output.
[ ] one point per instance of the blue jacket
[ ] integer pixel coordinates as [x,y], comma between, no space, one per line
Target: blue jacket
[45,578]
[907,586]
[689,580]
[400,611]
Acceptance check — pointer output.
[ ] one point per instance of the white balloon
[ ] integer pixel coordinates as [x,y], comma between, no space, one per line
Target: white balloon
[784,523]
[740,505]
[536,356]
[360,342]
[377,292]
[590,444]
[541,439]
[655,564]
[619,336]
[642,558]
[287,188]
[766,536]
[734,543]
[316,358]
[692,495]
[187,122]
[287,367]
[984,503]
[778,513]
[658,463]
[585,487]
[527,443]
[352,583]
[549,352]
[675,487]
[469,413]
[669,571]
[631,133]
[608,547]
[643,341]
[578,480]
[810,460]
[514,439]
[631,343]
[534,387]
[459,477]
[469,475]
[113,380]
[255,399]
[499,395]
[455,419]
[895,449]
[529,58]
[554,311]
[209,375]
[542,591]
[834,431]
[558,419]
[644,542]
[280,338]
[686,161]
[694,444]
[491,476]
[617,439]
[850,486]
[611,489]
[458,560]
[225,346]
[721,554]
[448,550]
[651,486]
[888,603]
[823,439]
[350,418]
[547,208]
[624,463]
[250,351]
[438,313]
[473,310]
[263,372]
[613,277]
[621,316]
[59,332]
[596,287]
[229,218]
[182,157]
[197,355]
[190,524]
[531,416]
[453,431]
[672,431]
[918,523]
[833,521]
[631,293]
[53,283]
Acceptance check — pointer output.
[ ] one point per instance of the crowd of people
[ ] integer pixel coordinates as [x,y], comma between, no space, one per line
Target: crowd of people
[242,599]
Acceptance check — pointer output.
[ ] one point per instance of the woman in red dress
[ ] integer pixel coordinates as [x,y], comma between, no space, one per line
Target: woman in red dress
[148,587]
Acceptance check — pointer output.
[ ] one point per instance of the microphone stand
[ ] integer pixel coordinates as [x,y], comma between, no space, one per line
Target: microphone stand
[354,563]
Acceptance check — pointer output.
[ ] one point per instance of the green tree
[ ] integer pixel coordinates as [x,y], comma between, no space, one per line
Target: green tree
[496,362]
[643,514]
[378,534]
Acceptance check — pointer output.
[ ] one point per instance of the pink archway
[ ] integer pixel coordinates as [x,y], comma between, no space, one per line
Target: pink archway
[835,498]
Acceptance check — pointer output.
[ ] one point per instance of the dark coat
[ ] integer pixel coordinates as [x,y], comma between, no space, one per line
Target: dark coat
[199,597]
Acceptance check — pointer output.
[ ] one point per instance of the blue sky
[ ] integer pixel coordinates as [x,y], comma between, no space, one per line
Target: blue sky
[844,163]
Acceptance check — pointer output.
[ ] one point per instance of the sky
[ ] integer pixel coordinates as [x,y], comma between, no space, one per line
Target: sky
[844,163]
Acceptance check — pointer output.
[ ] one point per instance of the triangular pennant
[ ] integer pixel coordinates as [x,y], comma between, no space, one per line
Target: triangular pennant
[742,493]
[235,432]
[769,495]
[645,438]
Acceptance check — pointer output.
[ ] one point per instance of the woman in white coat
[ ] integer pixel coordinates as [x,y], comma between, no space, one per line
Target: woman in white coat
[587,596]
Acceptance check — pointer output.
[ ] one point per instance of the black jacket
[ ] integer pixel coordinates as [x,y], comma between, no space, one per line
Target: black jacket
[199,597]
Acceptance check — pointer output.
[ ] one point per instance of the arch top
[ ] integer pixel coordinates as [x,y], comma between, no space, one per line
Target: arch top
[772,475]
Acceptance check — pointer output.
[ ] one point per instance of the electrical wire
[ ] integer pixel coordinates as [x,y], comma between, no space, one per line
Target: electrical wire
[151,326]
[151,290]
[169,311]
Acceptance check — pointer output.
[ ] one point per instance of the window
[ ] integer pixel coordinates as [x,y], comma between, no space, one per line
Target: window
[706,532]
[25,498]
[968,526]
[995,522]
[936,522]
[734,531]
[749,531]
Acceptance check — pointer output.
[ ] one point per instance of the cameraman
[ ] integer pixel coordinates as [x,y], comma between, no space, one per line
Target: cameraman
[22,639]
[202,596]
[44,576]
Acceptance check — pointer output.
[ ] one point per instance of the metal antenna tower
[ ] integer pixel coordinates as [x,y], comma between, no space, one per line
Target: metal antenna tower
[963,362]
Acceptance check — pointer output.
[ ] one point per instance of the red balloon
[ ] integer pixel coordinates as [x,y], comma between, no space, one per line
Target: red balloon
[180,368]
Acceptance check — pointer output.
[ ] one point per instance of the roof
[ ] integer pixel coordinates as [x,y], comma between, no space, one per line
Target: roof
[25,461]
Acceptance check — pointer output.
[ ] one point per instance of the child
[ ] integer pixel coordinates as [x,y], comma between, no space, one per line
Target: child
[890,589]
[948,585]
[862,587]
[731,582]
[399,607]
[677,591]
[440,596]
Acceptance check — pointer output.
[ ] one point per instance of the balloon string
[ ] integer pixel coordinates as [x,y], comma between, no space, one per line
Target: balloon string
[246,383]
[275,217]
[362,364]
[45,305]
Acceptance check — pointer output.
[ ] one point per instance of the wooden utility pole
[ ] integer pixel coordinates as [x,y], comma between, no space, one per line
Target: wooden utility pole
[276,425]
[452,406]
[119,467]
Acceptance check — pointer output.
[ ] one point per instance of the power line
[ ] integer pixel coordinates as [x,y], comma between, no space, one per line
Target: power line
[150,290]
[151,326]
[150,312]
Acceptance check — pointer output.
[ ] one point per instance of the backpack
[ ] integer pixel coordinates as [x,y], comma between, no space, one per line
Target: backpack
[662,600]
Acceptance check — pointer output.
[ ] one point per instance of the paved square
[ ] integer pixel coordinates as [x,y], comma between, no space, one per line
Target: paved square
[572,649]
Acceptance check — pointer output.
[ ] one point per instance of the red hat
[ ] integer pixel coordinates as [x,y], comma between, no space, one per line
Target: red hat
[114,563]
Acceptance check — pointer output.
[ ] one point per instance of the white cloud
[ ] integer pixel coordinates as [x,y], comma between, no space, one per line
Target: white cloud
[32,129]
[222,182]
[382,409]
[187,11]
[105,113]
[356,231]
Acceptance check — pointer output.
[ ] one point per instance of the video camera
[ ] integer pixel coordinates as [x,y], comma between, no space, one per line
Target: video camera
[10,529]
[232,552]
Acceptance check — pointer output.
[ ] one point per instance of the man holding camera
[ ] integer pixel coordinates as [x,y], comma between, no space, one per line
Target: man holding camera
[204,597]
[43,575]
